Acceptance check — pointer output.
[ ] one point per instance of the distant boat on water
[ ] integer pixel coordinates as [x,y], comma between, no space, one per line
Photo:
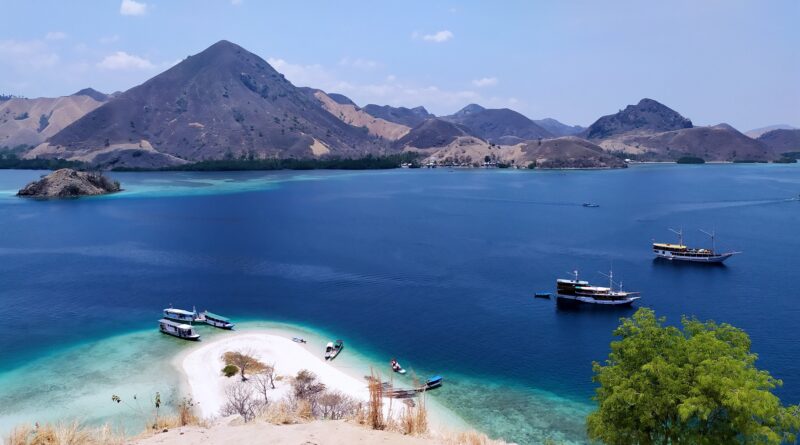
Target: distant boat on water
[579,291]
[681,252]
[590,204]
[212,319]
[181,315]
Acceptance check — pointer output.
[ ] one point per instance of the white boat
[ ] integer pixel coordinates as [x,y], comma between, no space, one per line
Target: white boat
[579,291]
[333,349]
[177,329]
[218,321]
[180,315]
[680,252]
[396,367]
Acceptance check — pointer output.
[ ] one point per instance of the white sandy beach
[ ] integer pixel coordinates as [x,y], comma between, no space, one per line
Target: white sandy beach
[201,367]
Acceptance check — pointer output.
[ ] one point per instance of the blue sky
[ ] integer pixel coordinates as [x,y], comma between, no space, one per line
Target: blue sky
[713,61]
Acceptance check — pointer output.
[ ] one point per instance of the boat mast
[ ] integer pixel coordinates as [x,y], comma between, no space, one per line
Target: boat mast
[713,239]
[680,235]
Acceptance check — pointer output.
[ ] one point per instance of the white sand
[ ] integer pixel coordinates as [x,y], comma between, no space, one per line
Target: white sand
[202,366]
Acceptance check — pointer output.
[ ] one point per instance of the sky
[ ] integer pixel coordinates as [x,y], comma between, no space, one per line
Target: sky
[713,61]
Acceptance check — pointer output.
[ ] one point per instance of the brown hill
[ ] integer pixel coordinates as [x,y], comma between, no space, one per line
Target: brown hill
[567,152]
[347,111]
[29,122]
[497,125]
[782,141]
[410,117]
[431,133]
[718,143]
[224,101]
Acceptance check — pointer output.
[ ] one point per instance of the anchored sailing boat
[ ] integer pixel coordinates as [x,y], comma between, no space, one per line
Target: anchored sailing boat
[681,252]
[580,291]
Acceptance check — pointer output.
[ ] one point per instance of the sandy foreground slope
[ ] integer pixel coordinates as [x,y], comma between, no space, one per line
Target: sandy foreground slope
[320,432]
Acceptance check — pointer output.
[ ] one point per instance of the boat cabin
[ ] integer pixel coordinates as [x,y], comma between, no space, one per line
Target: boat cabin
[218,321]
[180,315]
[177,329]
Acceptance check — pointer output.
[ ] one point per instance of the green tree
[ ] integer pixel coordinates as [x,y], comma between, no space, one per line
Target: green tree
[699,385]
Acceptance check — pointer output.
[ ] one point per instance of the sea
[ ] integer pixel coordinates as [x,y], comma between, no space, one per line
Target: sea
[436,267]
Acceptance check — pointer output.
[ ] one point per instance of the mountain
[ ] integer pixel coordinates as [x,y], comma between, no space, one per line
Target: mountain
[431,133]
[648,116]
[498,125]
[347,111]
[557,128]
[94,94]
[29,122]
[222,102]
[782,141]
[568,152]
[717,143]
[410,117]
[756,132]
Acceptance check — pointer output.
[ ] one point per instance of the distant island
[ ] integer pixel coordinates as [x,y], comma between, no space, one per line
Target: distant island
[69,183]
[228,109]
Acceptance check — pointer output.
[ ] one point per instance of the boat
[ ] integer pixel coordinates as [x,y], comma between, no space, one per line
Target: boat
[590,204]
[298,339]
[681,252]
[579,291]
[396,367]
[218,321]
[332,349]
[542,295]
[180,315]
[177,329]
[433,382]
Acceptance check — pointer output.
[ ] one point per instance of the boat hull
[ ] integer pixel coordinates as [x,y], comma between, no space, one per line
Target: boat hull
[579,299]
[193,337]
[695,259]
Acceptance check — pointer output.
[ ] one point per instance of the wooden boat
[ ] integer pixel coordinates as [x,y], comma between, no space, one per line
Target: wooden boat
[177,329]
[433,382]
[578,291]
[218,321]
[681,252]
[332,349]
[542,295]
[181,315]
[396,367]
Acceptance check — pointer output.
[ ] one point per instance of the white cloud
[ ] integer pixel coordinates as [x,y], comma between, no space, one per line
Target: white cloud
[122,61]
[55,35]
[388,90]
[27,55]
[132,7]
[364,64]
[437,37]
[485,82]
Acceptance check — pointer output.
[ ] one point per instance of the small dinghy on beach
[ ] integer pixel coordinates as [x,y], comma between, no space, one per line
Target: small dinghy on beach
[298,339]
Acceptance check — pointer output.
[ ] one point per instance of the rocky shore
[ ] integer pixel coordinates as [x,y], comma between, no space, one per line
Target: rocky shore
[67,183]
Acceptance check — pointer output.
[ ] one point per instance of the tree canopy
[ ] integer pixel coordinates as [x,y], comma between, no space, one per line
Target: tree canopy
[698,385]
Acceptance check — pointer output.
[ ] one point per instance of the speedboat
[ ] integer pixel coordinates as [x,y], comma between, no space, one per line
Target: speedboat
[396,367]
[332,349]
[177,329]
[590,204]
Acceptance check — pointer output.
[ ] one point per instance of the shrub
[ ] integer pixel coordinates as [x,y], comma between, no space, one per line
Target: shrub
[230,370]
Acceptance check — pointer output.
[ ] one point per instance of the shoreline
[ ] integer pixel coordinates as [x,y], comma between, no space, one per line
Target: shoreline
[199,368]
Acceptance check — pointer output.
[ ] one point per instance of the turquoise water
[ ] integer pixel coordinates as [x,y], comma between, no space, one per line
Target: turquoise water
[434,267]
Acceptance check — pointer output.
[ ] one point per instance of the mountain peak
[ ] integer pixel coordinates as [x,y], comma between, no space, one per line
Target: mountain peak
[94,94]
[647,115]
[469,109]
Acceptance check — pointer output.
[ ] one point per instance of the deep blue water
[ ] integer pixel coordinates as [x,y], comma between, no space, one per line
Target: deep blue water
[435,267]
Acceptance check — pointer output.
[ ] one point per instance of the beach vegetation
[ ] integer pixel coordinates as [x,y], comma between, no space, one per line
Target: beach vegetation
[336,405]
[695,384]
[690,160]
[375,418]
[245,361]
[240,399]
[264,383]
[73,433]
[230,370]
[306,385]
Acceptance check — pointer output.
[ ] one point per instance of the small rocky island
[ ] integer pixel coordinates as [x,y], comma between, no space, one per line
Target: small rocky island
[68,183]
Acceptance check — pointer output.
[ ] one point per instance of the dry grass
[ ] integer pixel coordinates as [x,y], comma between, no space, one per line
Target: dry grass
[375,418]
[285,412]
[414,420]
[469,438]
[63,434]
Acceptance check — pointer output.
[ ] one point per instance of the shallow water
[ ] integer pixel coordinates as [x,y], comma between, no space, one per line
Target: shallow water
[434,267]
